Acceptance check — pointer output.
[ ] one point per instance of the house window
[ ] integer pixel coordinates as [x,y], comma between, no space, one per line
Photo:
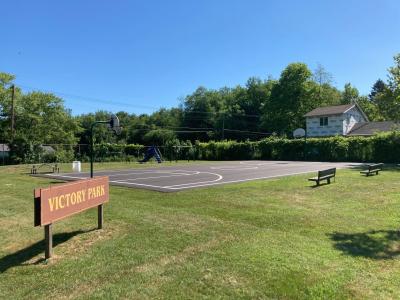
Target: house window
[323,121]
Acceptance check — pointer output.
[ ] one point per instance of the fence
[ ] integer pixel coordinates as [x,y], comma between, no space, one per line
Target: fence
[383,147]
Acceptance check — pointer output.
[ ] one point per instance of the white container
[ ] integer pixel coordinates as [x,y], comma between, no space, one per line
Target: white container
[76,166]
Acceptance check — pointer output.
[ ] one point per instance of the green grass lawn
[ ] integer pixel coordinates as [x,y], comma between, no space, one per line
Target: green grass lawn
[262,239]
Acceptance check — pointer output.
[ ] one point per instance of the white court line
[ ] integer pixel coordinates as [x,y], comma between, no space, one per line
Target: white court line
[134,183]
[234,168]
[172,175]
[201,184]
[215,180]
[234,181]
[172,187]
[124,174]
[142,173]
[257,164]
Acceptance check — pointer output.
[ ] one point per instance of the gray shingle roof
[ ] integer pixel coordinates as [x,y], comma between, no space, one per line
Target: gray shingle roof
[329,110]
[370,128]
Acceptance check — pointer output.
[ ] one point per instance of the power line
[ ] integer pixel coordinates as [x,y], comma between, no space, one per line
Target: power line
[98,100]
[90,99]
[246,131]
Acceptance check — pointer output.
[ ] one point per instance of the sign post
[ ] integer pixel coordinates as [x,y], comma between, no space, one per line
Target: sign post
[61,201]
[48,238]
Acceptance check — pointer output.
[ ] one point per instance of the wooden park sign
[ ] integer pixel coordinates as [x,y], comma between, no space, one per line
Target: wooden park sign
[61,201]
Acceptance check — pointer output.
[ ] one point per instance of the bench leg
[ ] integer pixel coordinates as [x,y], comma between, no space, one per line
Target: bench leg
[329,181]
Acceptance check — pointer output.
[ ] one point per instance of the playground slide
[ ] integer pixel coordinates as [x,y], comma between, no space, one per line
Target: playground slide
[152,152]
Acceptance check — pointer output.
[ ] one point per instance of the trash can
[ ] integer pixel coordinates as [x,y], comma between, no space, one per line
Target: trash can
[76,166]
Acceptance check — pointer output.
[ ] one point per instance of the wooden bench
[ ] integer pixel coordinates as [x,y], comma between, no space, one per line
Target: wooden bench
[53,167]
[372,169]
[324,175]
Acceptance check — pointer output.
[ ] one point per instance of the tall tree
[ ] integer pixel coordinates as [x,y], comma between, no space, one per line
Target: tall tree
[378,88]
[6,81]
[350,94]
[388,99]
[290,100]
[322,76]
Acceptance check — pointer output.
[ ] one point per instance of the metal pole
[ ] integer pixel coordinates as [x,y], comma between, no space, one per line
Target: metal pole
[99,207]
[12,111]
[91,150]
[305,146]
[223,126]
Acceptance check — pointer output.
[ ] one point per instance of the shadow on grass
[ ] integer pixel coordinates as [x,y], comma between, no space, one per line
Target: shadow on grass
[315,186]
[375,244]
[386,167]
[18,258]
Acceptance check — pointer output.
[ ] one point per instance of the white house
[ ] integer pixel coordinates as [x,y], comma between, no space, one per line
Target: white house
[334,120]
[348,120]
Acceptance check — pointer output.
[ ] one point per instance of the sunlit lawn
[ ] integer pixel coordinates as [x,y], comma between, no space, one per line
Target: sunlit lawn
[262,239]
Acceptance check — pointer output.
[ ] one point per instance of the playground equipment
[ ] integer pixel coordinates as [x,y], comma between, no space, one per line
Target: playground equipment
[152,151]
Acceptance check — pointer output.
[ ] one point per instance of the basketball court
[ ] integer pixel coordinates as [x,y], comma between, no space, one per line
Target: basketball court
[182,177]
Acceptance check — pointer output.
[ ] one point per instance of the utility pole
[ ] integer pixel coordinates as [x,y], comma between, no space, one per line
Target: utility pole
[12,111]
[223,126]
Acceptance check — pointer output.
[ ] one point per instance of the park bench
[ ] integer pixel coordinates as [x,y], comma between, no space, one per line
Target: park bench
[374,168]
[53,167]
[324,175]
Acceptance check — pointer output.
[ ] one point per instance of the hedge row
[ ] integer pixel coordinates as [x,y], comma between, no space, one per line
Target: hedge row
[383,147]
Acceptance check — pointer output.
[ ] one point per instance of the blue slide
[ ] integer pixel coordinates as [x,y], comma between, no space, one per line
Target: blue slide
[152,151]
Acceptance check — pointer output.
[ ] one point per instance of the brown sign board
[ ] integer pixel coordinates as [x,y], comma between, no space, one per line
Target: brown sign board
[60,201]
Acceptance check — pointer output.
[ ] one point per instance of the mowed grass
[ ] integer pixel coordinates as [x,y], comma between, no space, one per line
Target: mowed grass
[262,239]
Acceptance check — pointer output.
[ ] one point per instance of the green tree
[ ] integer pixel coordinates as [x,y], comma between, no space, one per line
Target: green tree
[388,97]
[378,88]
[350,94]
[324,93]
[158,137]
[6,81]
[290,100]
[41,118]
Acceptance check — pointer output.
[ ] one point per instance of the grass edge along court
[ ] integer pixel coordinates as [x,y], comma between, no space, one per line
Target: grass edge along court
[276,238]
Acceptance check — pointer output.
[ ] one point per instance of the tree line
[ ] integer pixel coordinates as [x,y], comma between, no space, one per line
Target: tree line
[255,110]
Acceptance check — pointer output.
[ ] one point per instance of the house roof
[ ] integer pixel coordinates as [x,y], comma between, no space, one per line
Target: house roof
[329,110]
[4,148]
[370,128]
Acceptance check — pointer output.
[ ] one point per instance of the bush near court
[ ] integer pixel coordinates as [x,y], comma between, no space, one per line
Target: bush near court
[382,147]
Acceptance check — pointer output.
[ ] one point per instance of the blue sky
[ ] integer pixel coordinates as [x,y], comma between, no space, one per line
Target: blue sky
[141,55]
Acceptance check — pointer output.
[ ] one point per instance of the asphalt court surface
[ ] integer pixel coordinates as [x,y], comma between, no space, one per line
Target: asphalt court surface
[182,177]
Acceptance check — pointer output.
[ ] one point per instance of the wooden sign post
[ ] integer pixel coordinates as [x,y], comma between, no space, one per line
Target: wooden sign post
[61,201]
